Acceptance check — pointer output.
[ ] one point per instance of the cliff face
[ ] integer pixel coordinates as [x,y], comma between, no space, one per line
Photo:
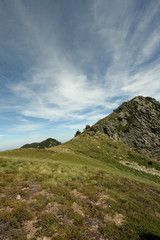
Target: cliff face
[137,124]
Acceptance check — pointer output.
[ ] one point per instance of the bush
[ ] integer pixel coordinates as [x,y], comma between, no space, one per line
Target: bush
[87,127]
[21,213]
[77,133]
[47,225]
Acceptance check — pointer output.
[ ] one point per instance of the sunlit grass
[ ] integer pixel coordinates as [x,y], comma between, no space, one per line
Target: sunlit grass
[77,191]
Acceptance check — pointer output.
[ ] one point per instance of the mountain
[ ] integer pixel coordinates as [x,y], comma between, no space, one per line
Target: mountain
[135,123]
[92,187]
[50,142]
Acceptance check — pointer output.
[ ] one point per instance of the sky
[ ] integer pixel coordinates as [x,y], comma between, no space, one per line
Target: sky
[65,64]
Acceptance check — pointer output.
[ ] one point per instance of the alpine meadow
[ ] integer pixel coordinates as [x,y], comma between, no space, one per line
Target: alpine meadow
[91,187]
[80,120]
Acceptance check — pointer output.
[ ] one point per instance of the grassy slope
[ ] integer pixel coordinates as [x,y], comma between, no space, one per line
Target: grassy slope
[78,190]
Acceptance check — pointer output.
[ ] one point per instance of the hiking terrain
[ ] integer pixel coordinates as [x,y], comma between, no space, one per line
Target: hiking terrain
[94,187]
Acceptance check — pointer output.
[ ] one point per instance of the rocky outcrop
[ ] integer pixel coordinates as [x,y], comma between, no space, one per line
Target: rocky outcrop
[135,123]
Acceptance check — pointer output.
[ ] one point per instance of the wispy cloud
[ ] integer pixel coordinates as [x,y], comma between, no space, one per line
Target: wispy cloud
[26,126]
[134,45]
[78,68]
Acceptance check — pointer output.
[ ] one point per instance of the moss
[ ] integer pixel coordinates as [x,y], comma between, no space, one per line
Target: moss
[72,233]
[130,119]
[39,204]
[22,213]
[10,219]
[48,224]
[122,128]
[75,218]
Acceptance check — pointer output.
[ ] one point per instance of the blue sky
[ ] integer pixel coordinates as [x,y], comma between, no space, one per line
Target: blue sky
[67,63]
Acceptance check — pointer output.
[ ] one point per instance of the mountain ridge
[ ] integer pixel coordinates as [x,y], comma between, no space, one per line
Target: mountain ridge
[91,187]
[135,123]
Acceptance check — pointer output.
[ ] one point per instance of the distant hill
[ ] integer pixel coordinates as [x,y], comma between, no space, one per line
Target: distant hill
[135,123]
[50,142]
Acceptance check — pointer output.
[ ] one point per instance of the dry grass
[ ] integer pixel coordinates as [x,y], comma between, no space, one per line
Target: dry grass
[78,191]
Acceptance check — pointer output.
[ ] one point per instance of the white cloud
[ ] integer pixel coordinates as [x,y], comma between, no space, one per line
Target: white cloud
[57,88]
[132,38]
[24,125]
[2,135]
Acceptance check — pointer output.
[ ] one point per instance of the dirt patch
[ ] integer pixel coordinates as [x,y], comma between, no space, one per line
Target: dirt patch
[63,150]
[53,208]
[44,238]
[8,232]
[92,228]
[102,200]
[77,209]
[6,209]
[33,189]
[36,190]
[118,219]
[79,195]
[2,195]
[29,228]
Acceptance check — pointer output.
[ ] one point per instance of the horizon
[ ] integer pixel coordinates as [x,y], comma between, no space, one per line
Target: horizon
[65,65]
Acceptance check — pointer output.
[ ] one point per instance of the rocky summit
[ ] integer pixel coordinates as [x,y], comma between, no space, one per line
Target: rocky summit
[135,123]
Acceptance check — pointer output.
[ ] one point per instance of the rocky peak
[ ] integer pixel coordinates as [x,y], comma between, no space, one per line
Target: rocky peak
[137,124]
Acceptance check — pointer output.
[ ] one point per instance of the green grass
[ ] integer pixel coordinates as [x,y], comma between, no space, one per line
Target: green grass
[77,191]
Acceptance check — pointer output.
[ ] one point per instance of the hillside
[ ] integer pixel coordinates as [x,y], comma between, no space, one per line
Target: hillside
[49,142]
[135,123]
[79,190]
[90,188]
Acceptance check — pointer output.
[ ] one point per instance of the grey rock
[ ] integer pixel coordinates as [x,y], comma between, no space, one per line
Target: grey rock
[135,123]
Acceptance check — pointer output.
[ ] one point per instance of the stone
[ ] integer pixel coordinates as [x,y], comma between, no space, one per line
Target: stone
[18,197]
[135,123]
